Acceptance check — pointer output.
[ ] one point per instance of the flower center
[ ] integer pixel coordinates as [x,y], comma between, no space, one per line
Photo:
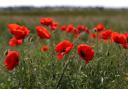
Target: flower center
[82,54]
[63,50]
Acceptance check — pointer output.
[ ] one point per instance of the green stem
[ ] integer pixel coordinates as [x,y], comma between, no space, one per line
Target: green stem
[64,69]
[97,43]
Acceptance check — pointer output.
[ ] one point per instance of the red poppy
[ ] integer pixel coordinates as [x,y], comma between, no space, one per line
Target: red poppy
[54,25]
[44,48]
[126,34]
[92,36]
[105,34]
[70,28]
[46,21]
[63,48]
[13,42]
[85,52]
[13,27]
[63,28]
[43,32]
[76,33]
[82,28]
[20,32]
[11,60]
[99,27]
[118,38]
[125,45]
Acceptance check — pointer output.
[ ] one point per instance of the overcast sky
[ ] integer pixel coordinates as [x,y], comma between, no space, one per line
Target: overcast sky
[85,3]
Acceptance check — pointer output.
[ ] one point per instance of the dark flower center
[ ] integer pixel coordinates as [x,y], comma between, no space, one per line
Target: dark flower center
[63,50]
[82,54]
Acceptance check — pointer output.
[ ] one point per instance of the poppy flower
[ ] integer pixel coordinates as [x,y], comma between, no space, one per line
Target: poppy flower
[118,38]
[70,28]
[99,27]
[43,32]
[105,35]
[11,60]
[76,33]
[92,36]
[125,46]
[13,27]
[44,48]
[20,32]
[63,28]
[54,25]
[82,28]
[63,48]
[46,21]
[85,52]
[14,42]
[126,34]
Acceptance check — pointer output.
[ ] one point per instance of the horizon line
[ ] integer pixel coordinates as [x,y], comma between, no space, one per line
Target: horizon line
[34,6]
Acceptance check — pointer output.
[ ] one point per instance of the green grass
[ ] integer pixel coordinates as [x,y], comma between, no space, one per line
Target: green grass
[107,70]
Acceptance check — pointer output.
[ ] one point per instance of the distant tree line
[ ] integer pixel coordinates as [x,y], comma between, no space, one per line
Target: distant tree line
[30,10]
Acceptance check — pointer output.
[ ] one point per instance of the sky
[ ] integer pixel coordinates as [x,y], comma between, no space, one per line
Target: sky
[82,3]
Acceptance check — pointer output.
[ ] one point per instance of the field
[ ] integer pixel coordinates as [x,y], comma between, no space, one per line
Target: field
[41,70]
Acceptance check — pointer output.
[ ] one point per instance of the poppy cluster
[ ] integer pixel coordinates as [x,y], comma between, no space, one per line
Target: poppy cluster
[49,22]
[19,33]
[85,51]
[63,48]
[108,34]
[121,39]
[76,31]
[13,42]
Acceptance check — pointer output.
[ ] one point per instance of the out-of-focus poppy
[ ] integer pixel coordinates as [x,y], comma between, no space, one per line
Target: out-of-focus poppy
[46,21]
[11,60]
[76,33]
[85,52]
[44,48]
[63,28]
[13,27]
[43,32]
[82,28]
[125,45]
[20,32]
[99,27]
[118,38]
[63,48]
[70,28]
[105,35]
[126,34]
[14,42]
[92,35]
[54,25]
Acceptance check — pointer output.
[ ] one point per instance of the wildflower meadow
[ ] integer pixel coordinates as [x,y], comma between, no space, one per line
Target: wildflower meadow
[64,52]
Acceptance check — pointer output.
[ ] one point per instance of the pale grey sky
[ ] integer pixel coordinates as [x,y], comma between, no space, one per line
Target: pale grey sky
[105,3]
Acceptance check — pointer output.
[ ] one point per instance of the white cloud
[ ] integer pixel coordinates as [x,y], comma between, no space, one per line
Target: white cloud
[106,3]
